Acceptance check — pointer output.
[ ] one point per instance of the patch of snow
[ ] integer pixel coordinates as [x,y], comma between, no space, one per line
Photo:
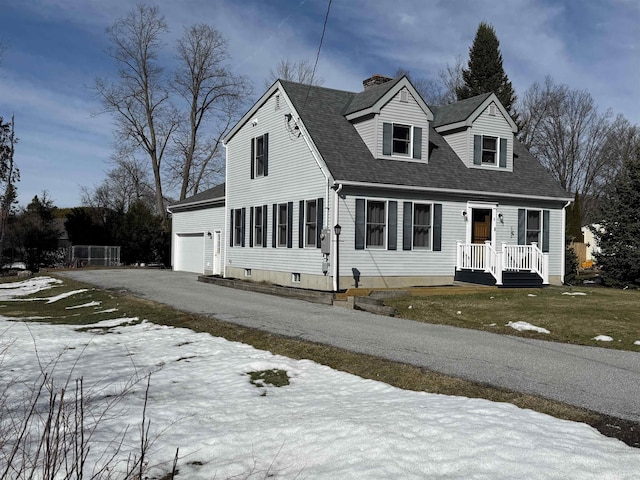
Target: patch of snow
[11,290]
[637,342]
[84,305]
[108,310]
[458,312]
[573,293]
[532,295]
[522,326]
[603,338]
[63,295]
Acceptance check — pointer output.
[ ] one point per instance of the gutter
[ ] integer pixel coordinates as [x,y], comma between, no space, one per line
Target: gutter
[564,230]
[334,251]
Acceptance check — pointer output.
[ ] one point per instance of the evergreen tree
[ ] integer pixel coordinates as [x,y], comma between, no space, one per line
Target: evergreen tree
[619,233]
[37,234]
[484,72]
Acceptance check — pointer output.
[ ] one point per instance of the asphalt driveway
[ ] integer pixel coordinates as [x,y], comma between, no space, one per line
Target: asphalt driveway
[607,381]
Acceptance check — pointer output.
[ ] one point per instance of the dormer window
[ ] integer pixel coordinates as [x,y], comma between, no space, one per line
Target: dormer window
[401,140]
[489,150]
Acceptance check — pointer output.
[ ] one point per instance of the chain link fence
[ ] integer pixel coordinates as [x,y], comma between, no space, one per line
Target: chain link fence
[97,255]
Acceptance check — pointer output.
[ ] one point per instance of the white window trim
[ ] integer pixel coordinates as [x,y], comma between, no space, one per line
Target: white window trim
[286,225]
[366,224]
[307,222]
[496,158]
[258,238]
[526,226]
[413,225]
[409,155]
[237,238]
[255,157]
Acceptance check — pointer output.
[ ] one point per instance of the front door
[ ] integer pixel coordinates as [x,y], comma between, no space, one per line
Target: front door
[480,225]
[217,270]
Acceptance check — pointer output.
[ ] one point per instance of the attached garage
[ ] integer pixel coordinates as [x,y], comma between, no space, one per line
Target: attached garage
[189,253]
[197,225]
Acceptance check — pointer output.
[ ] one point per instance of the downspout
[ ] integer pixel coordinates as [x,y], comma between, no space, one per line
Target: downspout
[564,241]
[336,216]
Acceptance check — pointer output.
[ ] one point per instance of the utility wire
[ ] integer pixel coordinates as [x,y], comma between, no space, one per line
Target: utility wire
[313,73]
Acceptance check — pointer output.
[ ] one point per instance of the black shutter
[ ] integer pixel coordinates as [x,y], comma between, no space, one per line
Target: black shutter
[251,227]
[290,225]
[275,225]
[437,227]
[407,226]
[265,152]
[264,225]
[253,156]
[545,231]
[319,220]
[392,231]
[387,132]
[417,143]
[301,225]
[244,215]
[360,226]
[477,150]
[231,227]
[522,226]
[503,153]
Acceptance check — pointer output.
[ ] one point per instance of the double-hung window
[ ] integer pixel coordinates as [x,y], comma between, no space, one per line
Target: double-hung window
[310,223]
[259,156]
[401,140]
[489,150]
[282,224]
[258,220]
[422,225]
[376,223]
[237,227]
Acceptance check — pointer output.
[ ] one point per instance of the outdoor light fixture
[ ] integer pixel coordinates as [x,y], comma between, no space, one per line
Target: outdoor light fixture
[464,215]
[209,234]
[337,230]
[501,218]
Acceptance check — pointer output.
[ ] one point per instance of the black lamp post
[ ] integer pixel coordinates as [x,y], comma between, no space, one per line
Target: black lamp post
[337,229]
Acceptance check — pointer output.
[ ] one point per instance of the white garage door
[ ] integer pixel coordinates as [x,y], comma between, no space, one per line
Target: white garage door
[190,253]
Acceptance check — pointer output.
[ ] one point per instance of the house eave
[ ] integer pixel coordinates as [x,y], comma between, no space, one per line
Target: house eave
[450,191]
[211,202]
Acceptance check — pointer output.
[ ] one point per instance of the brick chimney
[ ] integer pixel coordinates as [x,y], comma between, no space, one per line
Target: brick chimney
[376,79]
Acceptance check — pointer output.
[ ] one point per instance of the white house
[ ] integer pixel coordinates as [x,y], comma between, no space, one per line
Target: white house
[423,195]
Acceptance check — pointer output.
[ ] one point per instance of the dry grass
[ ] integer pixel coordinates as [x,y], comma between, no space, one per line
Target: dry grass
[573,319]
[404,376]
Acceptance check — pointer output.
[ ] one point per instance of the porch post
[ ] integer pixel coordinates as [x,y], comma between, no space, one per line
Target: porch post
[487,256]
[458,256]
[545,269]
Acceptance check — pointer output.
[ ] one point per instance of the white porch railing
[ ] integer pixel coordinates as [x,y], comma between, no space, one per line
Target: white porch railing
[511,258]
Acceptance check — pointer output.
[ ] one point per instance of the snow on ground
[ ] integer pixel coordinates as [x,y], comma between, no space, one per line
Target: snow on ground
[637,342]
[326,424]
[521,326]
[26,287]
[574,294]
[84,305]
[603,338]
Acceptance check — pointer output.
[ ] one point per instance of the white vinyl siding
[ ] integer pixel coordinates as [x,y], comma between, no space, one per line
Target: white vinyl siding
[491,126]
[367,130]
[403,113]
[199,222]
[294,175]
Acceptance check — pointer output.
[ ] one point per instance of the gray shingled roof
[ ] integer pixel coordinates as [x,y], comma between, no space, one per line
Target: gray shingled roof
[216,192]
[349,159]
[369,97]
[457,112]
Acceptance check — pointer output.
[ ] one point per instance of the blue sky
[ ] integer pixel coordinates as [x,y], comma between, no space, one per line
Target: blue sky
[56,48]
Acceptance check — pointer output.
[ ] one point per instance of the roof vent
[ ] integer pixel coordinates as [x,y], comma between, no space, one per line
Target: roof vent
[374,80]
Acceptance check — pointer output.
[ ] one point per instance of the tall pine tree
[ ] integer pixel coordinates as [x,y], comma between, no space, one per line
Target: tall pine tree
[484,72]
[619,233]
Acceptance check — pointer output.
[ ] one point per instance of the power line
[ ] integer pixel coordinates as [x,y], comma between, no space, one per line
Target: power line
[313,73]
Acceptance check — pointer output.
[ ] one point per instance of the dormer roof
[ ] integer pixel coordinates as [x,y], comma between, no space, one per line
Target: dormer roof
[462,113]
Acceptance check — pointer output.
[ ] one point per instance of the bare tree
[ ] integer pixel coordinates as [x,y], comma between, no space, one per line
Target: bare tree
[140,101]
[565,130]
[214,97]
[441,91]
[9,174]
[126,183]
[300,71]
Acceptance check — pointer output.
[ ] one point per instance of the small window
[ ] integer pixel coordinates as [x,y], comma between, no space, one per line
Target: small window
[259,157]
[295,278]
[277,102]
[257,226]
[282,225]
[310,223]
[237,227]
[489,150]
[404,95]
[401,140]
[376,223]
[247,272]
[534,226]
[422,225]
[492,109]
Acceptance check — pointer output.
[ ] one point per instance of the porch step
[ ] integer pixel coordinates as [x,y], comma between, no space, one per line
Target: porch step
[478,277]
[521,280]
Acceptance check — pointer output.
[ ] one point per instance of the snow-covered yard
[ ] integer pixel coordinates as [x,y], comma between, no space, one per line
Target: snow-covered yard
[325,424]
